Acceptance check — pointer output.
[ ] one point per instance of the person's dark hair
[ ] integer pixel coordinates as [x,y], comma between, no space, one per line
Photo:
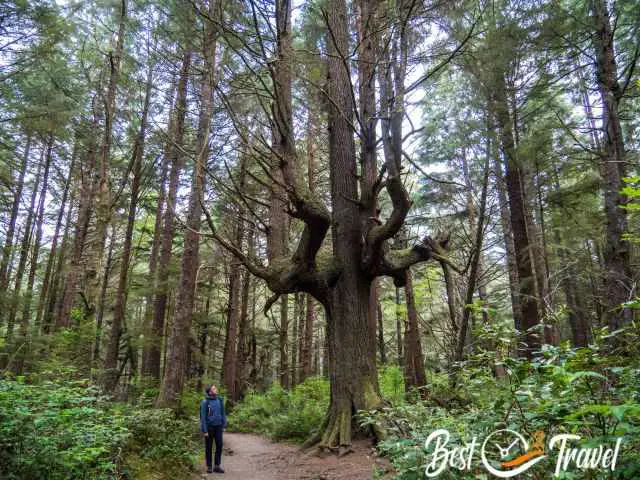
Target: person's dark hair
[207,388]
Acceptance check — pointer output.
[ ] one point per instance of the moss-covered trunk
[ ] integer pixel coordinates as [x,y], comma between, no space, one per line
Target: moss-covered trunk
[352,364]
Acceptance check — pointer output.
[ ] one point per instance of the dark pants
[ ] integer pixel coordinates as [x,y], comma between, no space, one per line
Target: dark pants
[215,433]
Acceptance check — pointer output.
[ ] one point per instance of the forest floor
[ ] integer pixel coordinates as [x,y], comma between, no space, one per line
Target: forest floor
[249,457]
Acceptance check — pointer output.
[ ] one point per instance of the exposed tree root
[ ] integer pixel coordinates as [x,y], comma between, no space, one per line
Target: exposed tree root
[338,429]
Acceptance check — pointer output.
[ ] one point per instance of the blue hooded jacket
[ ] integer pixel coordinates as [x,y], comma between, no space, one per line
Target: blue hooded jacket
[212,412]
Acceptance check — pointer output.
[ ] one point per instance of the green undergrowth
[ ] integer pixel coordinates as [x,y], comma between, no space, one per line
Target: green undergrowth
[66,429]
[296,415]
[584,391]
[279,414]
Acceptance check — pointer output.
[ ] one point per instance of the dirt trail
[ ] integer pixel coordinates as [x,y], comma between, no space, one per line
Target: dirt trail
[249,457]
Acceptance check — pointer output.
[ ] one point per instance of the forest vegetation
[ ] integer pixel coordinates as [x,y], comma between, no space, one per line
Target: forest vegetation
[359,218]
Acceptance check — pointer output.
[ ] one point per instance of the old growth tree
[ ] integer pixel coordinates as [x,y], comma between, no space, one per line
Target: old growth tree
[344,247]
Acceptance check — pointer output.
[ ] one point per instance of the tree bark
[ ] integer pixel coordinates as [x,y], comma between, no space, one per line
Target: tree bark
[85,207]
[353,376]
[505,222]
[307,343]
[578,319]
[453,302]
[517,206]
[283,343]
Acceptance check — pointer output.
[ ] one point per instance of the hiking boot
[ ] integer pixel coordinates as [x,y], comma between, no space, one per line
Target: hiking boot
[209,470]
[218,469]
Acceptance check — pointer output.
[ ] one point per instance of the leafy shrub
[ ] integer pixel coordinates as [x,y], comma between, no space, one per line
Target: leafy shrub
[279,414]
[57,432]
[160,444]
[69,430]
[583,391]
[391,380]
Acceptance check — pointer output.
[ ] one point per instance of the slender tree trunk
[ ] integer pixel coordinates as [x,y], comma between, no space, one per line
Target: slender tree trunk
[536,251]
[47,284]
[178,344]
[278,238]
[414,374]
[103,299]
[475,261]
[283,342]
[366,22]
[317,362]
[472,212]
[517,206]
[310,311]
[234,305]
[505,221]
[230,358]
[103,200]
[57,289]
[85,207]
[157,239]
[297,312]
[15,208]
[111,357]
[253,375]
[205,329]
[399,322]
[381,344]
[578,320]
[307,345]
[244,329]
[452,303]
[151,365]
[28,297]
[55,297]
[24,250]
[323,352]
[617,275]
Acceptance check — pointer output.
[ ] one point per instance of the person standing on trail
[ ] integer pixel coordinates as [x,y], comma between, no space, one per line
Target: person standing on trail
[212,422]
